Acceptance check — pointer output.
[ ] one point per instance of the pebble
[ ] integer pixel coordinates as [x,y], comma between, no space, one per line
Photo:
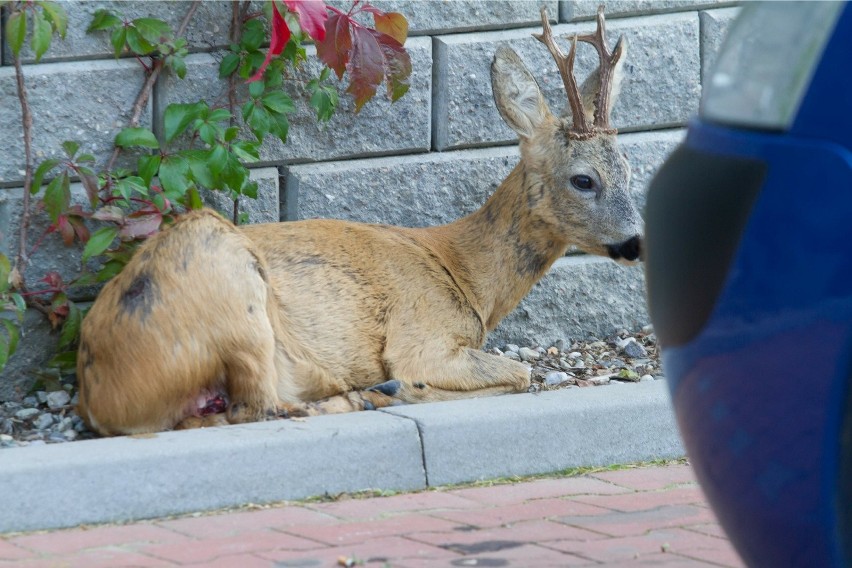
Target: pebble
[555,378]
[528,354]
[27,413]
[58,399]
[43,422]
[646,378]
[634,350]
[600,380]
[511,347]
[512,355]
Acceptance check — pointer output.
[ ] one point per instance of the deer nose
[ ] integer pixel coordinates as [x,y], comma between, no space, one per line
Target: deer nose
[631,249]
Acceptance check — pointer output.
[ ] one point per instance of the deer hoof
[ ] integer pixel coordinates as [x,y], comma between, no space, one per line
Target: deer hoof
[388,388]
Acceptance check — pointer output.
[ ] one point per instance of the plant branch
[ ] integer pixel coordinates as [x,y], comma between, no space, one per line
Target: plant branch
[238,15]
[27,122]
[153,75]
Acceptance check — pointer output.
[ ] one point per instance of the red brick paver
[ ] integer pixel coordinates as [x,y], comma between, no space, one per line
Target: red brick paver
[644,516]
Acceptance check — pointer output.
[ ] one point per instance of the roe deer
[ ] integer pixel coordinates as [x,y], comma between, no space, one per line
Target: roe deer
[212,324]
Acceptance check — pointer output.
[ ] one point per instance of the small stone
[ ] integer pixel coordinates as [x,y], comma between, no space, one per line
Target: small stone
[648,328]
[56,438]
[600,380]
[70,435]
[5,438]
[30,401]
[555,378]
[646,378]
[574,355]
[6,426]
[528,354]
[26,413]
[66,423]
[75,400]
[43,422]
[559,344]
[511,347]
[552,351]
[512,355]
[634,350]
[41,396]
[540,350]
[58,399]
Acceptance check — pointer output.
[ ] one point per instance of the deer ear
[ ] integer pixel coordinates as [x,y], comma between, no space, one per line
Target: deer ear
[590,87]
[516,93]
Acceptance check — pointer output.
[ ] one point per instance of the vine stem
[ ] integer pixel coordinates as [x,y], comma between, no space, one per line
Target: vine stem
[238,15]
[27,122]
[150,81]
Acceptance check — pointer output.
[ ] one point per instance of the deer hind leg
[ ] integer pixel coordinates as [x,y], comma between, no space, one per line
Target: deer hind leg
[467,373]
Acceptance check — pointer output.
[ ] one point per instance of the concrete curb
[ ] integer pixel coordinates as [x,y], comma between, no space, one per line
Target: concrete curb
[404,448]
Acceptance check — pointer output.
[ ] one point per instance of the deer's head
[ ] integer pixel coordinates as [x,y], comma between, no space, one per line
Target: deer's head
[577,179]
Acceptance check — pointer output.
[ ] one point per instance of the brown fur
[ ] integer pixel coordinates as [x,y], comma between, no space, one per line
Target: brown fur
[302,318]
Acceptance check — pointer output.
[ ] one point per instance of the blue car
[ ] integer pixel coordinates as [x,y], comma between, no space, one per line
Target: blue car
[749,273]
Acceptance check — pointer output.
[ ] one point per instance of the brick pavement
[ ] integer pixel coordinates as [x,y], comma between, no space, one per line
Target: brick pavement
[641,516]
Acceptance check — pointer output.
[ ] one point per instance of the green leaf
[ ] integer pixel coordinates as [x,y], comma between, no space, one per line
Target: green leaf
[207,133]
[137,43]
[178,64]
[136,136]
[199,169]
[57,196]
[228,65]
[153,30]
[174,171]
[246,151]
[231,133]
[118,38]
[14,336]
[218,159]
[65,362]
[219,115]
[250,190]
[103,20]
[57,16]
[20,305]
[235,174]
[110,269]
[256,89]
[193,200]
[99,242]
[178,116]
[148,166]
[5,270]
[71,328]
[85,158]
[260,122]
[130,185]
[325,101]
[253,36]
[16,31]
[70,148]
[42,32]
[278,102]
[40,172]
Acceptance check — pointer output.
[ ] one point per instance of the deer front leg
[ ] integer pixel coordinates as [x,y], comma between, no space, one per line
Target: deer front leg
[347,402]
[467,373]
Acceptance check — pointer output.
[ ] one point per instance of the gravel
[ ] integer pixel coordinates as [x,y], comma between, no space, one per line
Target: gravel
[49,417]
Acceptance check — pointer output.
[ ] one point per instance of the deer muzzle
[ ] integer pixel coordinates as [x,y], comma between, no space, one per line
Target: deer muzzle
[631,249]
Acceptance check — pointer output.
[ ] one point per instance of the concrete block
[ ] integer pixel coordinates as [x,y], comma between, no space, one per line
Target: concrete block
[380,127]
[85,101]
[580,296]
[483,438]
[416,191]
[436,188]
[264,209]
[123,479]
[714,28]
[661,87]
[576,10]
[453,16]
[208,27]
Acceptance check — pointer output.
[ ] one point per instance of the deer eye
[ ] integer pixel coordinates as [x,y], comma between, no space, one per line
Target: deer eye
[583,183]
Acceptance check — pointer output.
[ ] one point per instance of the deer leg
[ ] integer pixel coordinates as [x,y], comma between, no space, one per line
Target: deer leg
[347,402]
[252,382]
[468,373]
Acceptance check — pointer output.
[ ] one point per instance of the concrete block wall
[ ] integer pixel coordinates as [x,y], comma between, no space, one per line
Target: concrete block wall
[429,158]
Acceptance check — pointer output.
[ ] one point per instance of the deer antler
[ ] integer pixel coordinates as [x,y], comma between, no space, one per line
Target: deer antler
[580,130]
[608,60]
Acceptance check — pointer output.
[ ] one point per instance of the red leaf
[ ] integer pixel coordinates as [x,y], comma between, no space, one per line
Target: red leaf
[334,49]
[397,65]
[365,67]
[393,24]
[66,230]
[280,37]
[141,224]
[312,16]
[52,279]
[80,229]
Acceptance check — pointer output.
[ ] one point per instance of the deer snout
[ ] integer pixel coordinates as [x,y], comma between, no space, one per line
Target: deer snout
[631,249]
